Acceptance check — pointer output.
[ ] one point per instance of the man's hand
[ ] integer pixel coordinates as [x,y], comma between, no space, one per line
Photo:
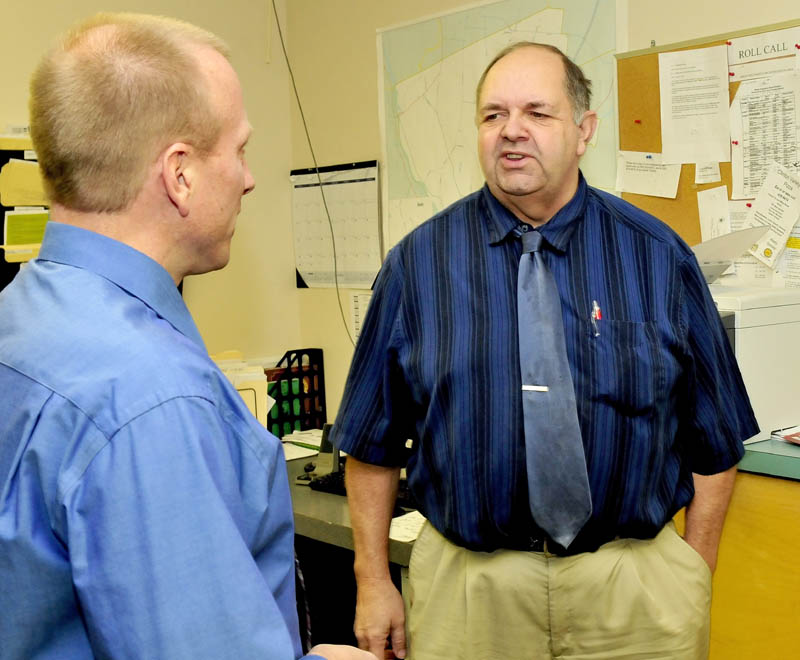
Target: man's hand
[339,652]
[379,615]
[371,493]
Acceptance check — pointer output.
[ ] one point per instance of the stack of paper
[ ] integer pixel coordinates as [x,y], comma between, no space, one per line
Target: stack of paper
[406,527]
[791,434]
[302,444]
[311,438]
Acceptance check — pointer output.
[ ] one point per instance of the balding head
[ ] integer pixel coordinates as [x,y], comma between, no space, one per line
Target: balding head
[578,87]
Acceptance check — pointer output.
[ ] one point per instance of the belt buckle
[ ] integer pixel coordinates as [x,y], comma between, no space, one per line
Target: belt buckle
[537,544]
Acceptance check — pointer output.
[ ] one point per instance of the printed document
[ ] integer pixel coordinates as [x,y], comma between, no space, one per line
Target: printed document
[749,271]
[644,174]
[707,173]
[763,46]
[712,206]
[777,207]
[764,123]
[695,122]
[787,269]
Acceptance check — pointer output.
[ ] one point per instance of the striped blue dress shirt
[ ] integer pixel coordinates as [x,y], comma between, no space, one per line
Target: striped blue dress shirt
[658,390]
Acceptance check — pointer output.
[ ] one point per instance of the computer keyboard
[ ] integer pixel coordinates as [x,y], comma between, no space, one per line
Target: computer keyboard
[333,482]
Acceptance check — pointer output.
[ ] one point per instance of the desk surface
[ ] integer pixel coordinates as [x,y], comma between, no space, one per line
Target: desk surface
[325,517]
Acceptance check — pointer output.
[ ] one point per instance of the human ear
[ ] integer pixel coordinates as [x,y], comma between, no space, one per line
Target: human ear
[177,175]
[586,128]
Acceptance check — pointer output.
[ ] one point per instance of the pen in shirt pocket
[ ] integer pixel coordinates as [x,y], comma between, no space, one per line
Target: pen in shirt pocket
[597,315]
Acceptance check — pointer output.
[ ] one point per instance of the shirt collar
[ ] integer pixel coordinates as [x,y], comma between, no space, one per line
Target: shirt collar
[557,231]
[131,270]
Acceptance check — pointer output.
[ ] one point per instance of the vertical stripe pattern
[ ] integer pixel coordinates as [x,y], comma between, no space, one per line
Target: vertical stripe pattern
[658,391]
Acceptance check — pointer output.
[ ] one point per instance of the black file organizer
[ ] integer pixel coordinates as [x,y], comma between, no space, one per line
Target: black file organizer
[297,383]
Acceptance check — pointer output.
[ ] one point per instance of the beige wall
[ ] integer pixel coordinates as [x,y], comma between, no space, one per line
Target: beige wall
[682,20]
[252,304]
[340,102]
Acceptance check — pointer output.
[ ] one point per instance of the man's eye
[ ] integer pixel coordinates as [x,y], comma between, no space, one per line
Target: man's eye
[491,117]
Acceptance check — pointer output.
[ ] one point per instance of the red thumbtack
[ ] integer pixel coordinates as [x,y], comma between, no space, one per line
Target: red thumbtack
[728,42]
[797,46]
[731,74]
[749,205]
[734,141]
[637,121]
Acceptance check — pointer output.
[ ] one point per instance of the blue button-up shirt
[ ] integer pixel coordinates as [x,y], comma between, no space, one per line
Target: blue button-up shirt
[658,390]
[144,513]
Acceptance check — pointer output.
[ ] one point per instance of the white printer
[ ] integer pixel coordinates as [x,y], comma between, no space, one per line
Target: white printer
[764,327]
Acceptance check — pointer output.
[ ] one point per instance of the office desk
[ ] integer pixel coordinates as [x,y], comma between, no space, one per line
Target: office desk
[324,517]
[324,547]
[755,610]
[772,457]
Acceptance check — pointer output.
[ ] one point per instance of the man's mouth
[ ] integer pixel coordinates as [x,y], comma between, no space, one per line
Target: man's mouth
[513,158]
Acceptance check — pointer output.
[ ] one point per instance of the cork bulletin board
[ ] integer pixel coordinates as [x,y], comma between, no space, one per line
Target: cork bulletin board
[639,112]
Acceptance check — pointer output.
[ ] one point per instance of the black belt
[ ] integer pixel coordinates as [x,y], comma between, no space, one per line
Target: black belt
[543,544]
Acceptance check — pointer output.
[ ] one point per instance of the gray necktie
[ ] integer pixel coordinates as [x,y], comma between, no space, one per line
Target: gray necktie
[558,485]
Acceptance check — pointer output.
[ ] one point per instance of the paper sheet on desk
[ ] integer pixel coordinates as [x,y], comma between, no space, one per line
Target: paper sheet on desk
[311,438]
[407,527]
[302,444]
[292,451]
[790,434]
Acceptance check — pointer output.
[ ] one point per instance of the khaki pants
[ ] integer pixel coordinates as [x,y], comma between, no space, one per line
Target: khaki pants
[630,599]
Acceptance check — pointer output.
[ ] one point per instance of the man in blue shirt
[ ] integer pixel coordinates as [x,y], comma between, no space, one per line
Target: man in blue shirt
[144,512]
[660,403]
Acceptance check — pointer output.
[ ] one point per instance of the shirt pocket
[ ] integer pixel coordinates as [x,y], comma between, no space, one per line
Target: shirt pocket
[626,366]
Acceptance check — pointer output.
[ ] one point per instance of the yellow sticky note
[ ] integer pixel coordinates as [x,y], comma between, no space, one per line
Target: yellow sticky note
[23,234]
[15,143]
[16,254]
[21,184]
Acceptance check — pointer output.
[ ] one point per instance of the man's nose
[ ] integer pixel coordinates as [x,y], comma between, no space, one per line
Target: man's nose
[249,181]
[514,127]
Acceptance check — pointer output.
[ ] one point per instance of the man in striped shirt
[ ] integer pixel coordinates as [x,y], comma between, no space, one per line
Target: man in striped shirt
[660,402]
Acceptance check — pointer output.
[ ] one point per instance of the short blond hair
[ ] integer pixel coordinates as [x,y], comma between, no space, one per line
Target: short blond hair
[109,97]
